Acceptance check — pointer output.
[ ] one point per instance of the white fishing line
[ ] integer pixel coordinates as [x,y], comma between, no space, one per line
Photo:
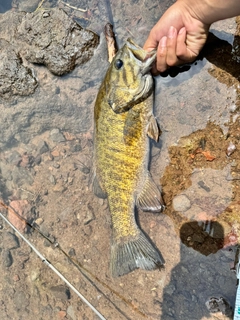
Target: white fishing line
[48,263]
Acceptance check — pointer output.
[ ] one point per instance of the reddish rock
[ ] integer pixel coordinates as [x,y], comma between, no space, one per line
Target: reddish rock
[23,209]
[62,314]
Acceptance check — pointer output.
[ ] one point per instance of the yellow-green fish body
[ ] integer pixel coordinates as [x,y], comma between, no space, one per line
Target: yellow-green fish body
[123,118]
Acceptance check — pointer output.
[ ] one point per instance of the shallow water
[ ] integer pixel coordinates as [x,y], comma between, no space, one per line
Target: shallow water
[45,162]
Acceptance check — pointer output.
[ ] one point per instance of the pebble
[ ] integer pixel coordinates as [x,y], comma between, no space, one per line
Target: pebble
[62,314]
[16,278]
[60,292]
[57,136]
[71,313]
[23,208]
[181,203]
[52,179]
[89,217]
[39,221]
[10,241]
[6,258]
[42,147]
[14,158]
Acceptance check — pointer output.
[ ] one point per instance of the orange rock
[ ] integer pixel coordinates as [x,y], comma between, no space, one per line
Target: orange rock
[208,155]
[21,207]
[55,153]
[62,314]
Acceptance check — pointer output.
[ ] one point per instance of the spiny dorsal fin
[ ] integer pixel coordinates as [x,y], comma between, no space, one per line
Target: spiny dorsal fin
[150,198]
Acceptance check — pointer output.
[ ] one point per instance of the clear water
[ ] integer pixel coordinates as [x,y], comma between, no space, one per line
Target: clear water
[196,106]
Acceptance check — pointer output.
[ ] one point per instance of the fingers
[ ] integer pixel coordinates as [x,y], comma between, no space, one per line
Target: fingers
[172,49]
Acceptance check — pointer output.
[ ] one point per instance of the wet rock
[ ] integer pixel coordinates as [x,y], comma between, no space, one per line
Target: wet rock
[71,313]
[72,252]
[181,203]
[10,241]
[57,136]
[6,258]
[51,38]
[24,209]
[28,6]
[60,292]
[89,215]
[20,300]
[8,24]
[52,179]
[21,176]
[15,78]
[14,157]
[5,170]
[42,147]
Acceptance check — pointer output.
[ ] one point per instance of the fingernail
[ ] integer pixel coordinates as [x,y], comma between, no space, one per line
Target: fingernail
[172,32]
[182,30]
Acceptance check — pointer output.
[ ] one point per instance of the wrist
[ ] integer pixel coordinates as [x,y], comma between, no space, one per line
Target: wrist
[209,11]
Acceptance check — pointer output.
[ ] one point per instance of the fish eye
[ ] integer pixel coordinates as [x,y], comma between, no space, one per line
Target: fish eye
[118,64]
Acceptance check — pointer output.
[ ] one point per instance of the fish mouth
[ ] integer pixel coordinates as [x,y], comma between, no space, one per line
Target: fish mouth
[148,62]
[142,93]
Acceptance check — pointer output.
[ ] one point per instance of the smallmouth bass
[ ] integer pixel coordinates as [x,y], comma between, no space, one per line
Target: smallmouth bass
[123,121]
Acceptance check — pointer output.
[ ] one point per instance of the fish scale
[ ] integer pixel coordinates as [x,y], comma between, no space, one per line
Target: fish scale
[121,156]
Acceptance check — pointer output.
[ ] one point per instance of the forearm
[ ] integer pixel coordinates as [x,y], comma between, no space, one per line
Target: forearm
[209,11]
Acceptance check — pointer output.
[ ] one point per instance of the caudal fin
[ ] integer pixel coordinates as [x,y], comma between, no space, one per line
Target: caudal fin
[133,254]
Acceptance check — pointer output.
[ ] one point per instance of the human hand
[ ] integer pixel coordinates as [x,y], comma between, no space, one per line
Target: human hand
[178,36]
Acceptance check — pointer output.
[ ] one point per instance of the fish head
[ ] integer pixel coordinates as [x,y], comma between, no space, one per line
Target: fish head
[128,79]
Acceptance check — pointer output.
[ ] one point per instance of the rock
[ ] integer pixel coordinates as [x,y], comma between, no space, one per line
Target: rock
[60,292]
[10,241]
[52,179]
[72,252]
[21,175]
[14,157]
[181,203]
[20,300]
[5,170]
[15,78]
[6,258]
[71,313]
[24,209]
[57,136]
[52,38]
[89,215]
[42,147]
[28,6]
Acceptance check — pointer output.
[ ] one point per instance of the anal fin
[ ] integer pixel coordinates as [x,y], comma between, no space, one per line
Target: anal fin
[150,198]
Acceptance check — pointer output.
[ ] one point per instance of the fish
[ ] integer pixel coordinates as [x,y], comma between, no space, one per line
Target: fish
[123,125]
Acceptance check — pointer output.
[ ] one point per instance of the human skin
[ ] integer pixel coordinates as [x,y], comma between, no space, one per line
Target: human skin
[181,32]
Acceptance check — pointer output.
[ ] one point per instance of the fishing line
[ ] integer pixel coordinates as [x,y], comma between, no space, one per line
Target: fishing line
[77,264]
[48,263]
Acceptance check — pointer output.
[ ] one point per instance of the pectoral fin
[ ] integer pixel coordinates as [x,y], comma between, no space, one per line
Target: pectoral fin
[150,198]
[153,130]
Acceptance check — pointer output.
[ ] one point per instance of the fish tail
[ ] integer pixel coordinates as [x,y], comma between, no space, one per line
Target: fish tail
[138,252]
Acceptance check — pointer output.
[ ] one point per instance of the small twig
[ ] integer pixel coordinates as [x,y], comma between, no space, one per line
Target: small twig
[72,7]
[111,41]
